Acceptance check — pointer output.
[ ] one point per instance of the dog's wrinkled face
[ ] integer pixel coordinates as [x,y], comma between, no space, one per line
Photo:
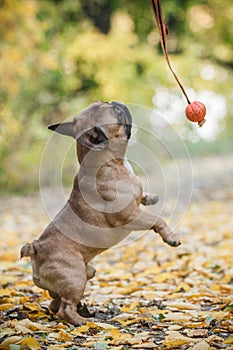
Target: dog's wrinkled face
[98,126]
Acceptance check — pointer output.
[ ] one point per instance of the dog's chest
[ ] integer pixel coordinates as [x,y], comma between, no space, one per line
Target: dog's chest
[117,183]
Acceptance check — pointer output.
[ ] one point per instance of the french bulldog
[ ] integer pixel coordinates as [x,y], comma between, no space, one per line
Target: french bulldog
[103,208]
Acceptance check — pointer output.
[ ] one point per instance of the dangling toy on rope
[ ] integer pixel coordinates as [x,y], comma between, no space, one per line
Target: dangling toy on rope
[195,111]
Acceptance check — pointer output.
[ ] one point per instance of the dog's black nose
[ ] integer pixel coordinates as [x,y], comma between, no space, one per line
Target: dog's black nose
[118,111]
[124,116]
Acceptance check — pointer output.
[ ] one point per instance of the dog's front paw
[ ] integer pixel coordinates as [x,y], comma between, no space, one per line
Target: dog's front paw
[172,239]
[149,199]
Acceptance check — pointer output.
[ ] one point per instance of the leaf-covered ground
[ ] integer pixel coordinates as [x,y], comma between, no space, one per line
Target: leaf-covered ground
[146,295]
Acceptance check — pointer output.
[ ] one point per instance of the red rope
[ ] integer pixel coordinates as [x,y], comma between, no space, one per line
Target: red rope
[163,32]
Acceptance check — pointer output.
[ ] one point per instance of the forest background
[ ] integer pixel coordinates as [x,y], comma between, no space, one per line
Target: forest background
[57,56]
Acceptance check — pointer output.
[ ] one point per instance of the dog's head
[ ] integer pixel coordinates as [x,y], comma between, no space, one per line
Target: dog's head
[98,127]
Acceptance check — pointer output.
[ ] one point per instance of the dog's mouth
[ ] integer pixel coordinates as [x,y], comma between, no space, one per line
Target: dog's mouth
[94,138]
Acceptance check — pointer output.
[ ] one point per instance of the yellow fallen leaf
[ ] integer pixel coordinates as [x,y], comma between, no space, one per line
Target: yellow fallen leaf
[6,332]
[174,327]
[23,300]
[132,287]
[215,287]
[182,287]
[195,325]
[6,306]
[104,326]
[9,256]
[30,343]
[175,339]
[139,338]
[93,344]
[85,328]
[98,325]
[114,334]
[147,294]
[177,316]
[226,288]
[60,326]
[32,306]
[182,305]
[130,307]
[219,315]
[61,335]
[146,345]
[33,326]
[227,278]
[5,345]
[229,340]
[22,329]
[122,339]
[55,347]
[128,322]
[202,333]
[5,292]
[81,329]
[122,317]
[200,346]
[213,338]
[162,277]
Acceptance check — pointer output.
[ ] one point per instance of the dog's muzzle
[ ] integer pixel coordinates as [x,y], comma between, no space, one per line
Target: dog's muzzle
[95,138]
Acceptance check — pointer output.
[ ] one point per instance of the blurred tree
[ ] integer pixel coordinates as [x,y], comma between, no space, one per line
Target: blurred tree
[99,11]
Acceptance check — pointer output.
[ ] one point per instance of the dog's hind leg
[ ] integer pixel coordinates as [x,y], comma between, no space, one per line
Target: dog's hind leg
[71,294]
[55,303]
[68,312]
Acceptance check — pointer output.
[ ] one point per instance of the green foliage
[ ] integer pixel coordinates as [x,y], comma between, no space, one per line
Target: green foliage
[59,55]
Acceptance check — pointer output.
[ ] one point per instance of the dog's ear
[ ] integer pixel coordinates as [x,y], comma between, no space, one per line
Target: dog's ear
[63,128]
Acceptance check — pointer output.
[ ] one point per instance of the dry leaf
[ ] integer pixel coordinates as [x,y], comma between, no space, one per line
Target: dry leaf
[6,292]
[180,305]
[122,317]
[105,326]
[32,306]
[30,344]
[196,332]
[28,324]
[146,345]
[162,277]
[5,345]
[200,346]
[61,335]
[177,316]
[229,340]
[55,347]
[176,339]
[130,307]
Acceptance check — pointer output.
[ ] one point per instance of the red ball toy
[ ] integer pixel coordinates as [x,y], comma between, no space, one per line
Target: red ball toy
[196,112]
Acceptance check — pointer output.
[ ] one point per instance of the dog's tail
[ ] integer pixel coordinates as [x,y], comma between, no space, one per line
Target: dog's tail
[27,250]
